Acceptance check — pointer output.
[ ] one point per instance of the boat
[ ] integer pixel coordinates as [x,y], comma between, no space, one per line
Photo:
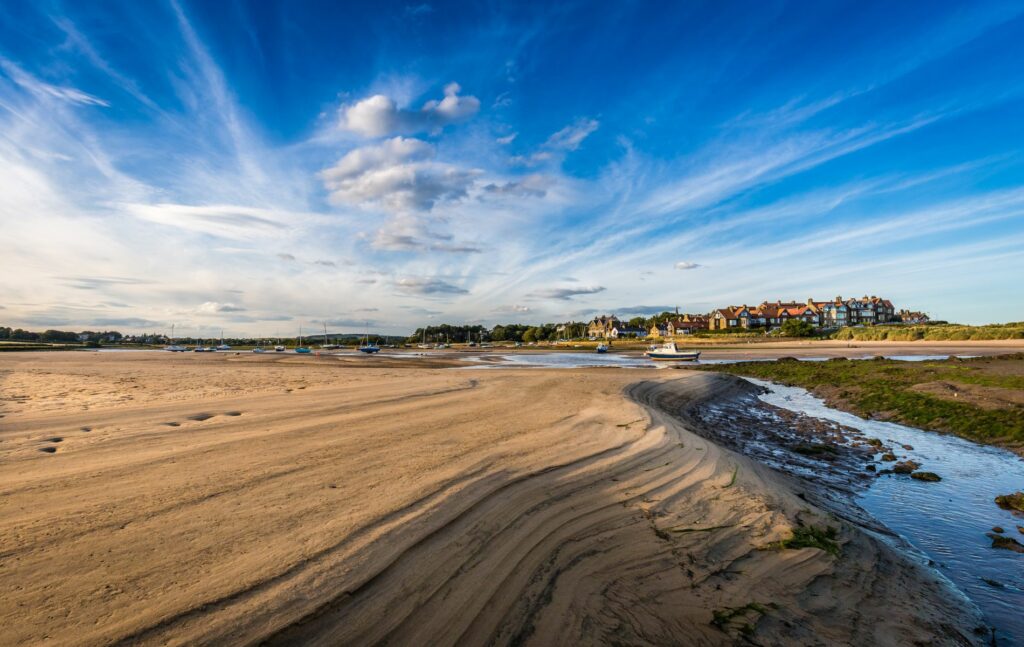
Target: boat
[279,348]
[174,347]
[222,345]
[669,352]
[326,345]
[259,349]
[366,346]
[602,348]
[300,348]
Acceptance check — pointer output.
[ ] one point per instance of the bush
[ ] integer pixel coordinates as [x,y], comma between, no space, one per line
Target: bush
[797,328]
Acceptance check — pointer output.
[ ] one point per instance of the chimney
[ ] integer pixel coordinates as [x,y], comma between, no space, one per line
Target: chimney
[810,301]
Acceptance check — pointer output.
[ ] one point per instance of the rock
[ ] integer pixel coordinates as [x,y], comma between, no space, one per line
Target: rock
[1013,501]
[814,449]
[998,529]
[909,448]
[993,583]
[1020,529]
[926,476]
[905,467]
[872,468]
[888,457]
[875,442]
[1006,543]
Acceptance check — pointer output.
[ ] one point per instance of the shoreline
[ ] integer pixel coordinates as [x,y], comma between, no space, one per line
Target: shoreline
[299,501]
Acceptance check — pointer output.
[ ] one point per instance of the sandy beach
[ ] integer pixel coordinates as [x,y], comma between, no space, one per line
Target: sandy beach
[151,498]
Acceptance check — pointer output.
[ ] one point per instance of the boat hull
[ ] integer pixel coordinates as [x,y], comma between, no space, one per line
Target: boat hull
[673,357]
[369,351]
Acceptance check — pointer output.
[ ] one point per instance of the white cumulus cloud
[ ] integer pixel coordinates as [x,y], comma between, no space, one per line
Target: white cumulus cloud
[379,115]
[686,265]
[398,174]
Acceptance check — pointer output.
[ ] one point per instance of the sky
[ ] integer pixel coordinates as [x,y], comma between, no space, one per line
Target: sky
[260,166]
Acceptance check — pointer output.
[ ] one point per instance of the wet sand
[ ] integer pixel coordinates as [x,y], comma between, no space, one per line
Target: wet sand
[154,498]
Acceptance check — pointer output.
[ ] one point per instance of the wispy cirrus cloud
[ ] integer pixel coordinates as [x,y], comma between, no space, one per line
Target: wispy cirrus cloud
[38,87]
[213,308]
[428,286]
[564,294]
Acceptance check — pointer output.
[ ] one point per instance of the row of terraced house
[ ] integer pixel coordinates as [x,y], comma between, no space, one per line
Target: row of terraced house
[836,313]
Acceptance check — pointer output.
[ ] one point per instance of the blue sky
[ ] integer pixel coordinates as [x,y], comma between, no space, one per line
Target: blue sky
[260,166]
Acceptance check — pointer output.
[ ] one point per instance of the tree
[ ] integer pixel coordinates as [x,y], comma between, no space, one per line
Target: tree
[530,335]
[637,322]
[797,328]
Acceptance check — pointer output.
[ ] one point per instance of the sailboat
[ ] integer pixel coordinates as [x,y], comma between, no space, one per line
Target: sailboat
[222,345]
[325,345]
[424,343]
[366,346]
[173,347]
[300,348]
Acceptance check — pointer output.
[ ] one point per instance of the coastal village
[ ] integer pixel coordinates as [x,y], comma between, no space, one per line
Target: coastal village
[833,314]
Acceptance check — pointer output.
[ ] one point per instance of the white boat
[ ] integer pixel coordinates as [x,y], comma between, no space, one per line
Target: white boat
[258,349]
[279,348]
[670,353]
[174,347]
[327,345]
[222,345]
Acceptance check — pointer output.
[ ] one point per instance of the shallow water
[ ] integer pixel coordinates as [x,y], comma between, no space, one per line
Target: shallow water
[560,360]
[589,360]
[946,521]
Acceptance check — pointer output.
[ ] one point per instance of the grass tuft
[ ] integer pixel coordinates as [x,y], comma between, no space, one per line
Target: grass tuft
[813,537]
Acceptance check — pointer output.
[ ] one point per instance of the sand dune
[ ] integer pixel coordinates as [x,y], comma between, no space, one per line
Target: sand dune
[233,499]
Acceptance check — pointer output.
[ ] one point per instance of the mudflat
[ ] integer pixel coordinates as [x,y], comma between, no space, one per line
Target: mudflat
[154,498]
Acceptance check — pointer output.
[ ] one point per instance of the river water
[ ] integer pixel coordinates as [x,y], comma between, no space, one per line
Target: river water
[946,521]
[590,360]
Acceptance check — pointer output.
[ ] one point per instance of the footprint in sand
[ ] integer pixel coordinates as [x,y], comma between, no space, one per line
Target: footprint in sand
[199,417]
[86,429]
[55,439]
[48,450]
[172,424]
[233,413]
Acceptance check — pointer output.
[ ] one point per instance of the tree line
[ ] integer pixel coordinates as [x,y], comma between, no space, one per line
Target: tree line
[455,334]
[58,336]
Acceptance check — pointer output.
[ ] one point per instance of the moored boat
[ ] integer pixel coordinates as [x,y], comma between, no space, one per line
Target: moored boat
[300,348]
[670,352]
[601,348]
